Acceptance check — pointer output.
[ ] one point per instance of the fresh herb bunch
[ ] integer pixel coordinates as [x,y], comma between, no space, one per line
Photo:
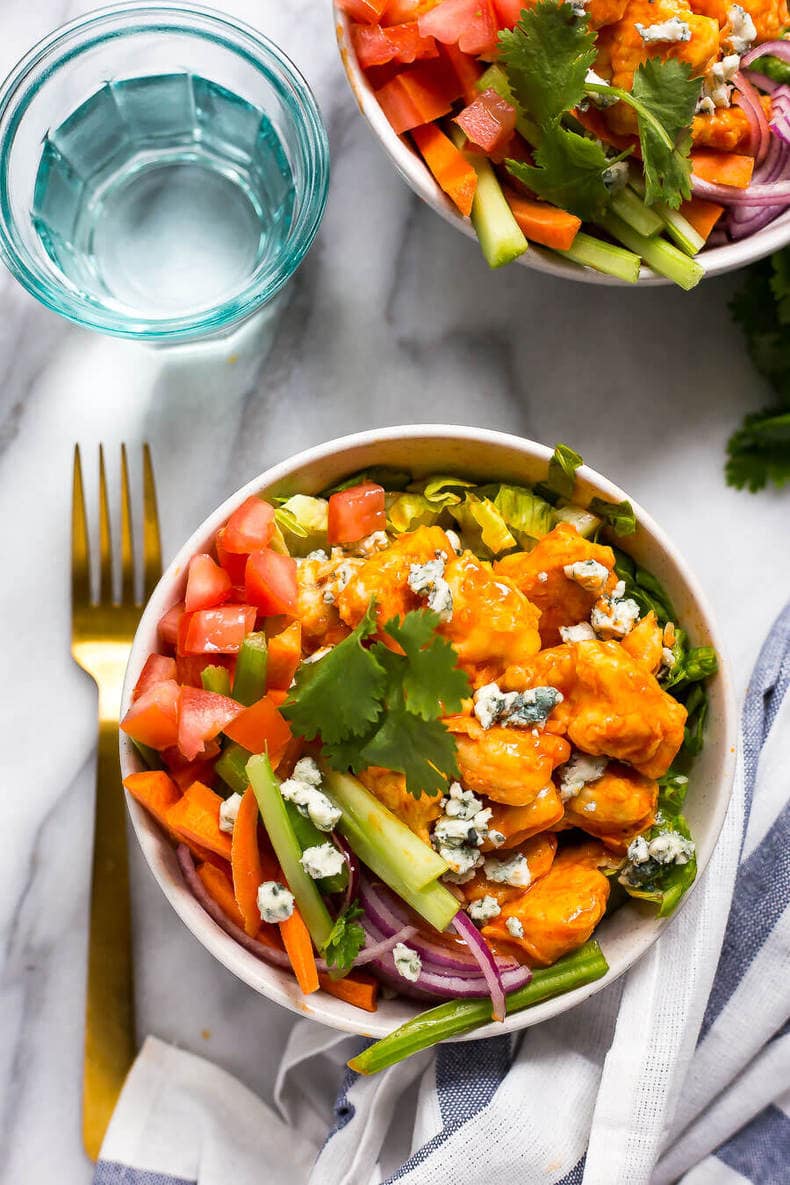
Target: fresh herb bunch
[345,941]
[759,452]
[547,57]
[372,705]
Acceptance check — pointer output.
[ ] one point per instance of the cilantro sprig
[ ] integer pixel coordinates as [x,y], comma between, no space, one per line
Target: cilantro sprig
[345,941]
[547,57]
[373,705]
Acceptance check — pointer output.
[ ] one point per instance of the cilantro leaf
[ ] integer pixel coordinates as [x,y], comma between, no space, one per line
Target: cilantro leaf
[664,90]
[568,172]
[338,696]
[759,452]
[433,684]
[346,940]
[547,57]
[422,750]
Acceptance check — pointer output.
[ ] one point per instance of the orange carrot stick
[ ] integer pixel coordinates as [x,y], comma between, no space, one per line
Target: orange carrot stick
[261,728]
[299,947]
[155,791]
[195,819]
[218,886]
[543,223]
[245,862]
[284,653]
[360,989]
[453,172]
[702,215]
[722,168]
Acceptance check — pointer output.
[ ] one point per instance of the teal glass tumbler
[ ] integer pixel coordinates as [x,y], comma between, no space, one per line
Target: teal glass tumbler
[163,171]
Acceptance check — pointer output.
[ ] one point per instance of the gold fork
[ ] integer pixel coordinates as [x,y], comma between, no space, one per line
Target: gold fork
[102,632]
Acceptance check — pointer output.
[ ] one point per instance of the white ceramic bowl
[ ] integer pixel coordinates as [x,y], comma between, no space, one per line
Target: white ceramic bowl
[715,260]
[423,449]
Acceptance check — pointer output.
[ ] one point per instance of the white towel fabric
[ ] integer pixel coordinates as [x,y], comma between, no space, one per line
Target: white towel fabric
[680,1072]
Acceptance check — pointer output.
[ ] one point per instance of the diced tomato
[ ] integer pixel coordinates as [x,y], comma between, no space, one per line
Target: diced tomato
[168,625]
[508,12]
[465,69]
[375,46]
[202,715]
[216,631]
[175,761]
[190,667]
[232,563]
[249,528]
[270,581]
[157,669]
[488,122]
[356,512]
[261,728]
[418,95]
[153,717]
[399,11]
[284,653]
[201,770]
[367,11]
[207,584]
[469,24]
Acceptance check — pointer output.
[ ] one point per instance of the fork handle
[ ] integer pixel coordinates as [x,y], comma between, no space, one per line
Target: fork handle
[109,1018]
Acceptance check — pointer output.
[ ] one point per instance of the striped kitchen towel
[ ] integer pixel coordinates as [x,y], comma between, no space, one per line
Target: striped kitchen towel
[679,1072]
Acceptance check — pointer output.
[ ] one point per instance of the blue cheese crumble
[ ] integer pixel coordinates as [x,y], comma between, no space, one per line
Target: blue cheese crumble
[743,31]
[407,961]
[275,902]
[514,872]
[427,580]
[614,615]
[303,790]
[591,575]
[485,909]
[668,847]
[322,860]
[514,927]
[583,632]
[459,832]
[717,85]
[664,32]
[578,772]
[228,813]
[515,709]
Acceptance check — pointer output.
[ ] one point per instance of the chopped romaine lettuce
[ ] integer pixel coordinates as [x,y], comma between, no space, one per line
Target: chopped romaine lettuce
[303,523]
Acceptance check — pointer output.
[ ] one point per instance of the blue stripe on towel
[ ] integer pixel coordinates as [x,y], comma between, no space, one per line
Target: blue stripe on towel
[762,887]
[761,1150]
[109,1172]
[467,1078]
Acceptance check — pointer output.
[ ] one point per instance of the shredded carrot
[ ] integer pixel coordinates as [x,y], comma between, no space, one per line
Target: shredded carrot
[155,790]
[218,886]
[543,223]
[299,947]
[358,989]
[702,215]
[195,819]
[722,168]
[245,862]
[453,172]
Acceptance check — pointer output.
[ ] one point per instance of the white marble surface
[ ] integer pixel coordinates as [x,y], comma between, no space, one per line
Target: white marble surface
[393,318]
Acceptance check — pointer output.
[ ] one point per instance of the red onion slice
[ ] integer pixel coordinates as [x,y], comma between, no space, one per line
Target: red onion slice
[759,132]
[780,113]
[380,946]
[482,952]
[755,195]
[352,885]
[777,49]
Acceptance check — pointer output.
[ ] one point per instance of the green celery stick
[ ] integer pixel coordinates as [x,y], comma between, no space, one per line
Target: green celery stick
[662,256]
[249,683]
[461,1016]
[432,902]
[500,237]
[628,206]
[415,862]
[678,227]
[309,901]
[308,836]
[215,679]
[773,68]
[604,257]
[232,767]
[150,756]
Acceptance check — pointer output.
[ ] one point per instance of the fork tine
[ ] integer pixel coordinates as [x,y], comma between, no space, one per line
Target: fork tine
[80,554]
[152,549]
[127,541]
[105,537]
